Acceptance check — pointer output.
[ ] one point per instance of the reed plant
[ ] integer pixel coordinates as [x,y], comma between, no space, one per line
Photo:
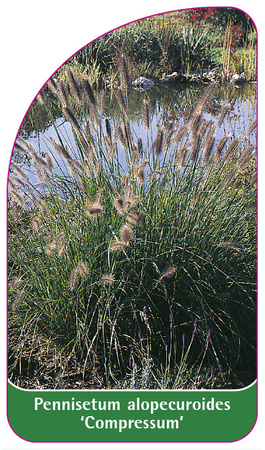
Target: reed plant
[123,248]
[191,42]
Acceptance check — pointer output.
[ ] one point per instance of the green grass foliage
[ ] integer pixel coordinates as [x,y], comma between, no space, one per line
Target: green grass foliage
[133,257]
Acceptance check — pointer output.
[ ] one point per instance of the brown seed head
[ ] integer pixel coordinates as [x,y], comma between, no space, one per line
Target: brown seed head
[233,245]
[74,86]
[17,301]
[145,114]
[116,245]
[119,205]
[134,218]
[50,248]
[82,269]
[139,175]
[88,89]
[74,275]
[36,224]
[169,272]
[93,211]
[126,234]
[106,280]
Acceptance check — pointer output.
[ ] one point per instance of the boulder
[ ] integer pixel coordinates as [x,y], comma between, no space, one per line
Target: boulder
[143,83]
[238,79]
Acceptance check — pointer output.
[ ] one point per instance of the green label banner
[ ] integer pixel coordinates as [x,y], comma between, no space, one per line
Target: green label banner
[132,416]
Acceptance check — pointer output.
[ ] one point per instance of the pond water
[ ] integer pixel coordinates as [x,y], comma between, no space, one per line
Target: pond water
[167,105]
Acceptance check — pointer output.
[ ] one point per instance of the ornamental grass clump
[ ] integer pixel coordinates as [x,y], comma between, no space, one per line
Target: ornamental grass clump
[113,271]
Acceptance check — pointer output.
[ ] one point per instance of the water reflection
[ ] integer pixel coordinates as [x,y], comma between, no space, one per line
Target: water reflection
[168,106]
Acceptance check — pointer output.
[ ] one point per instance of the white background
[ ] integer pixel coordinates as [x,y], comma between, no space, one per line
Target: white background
[36,38]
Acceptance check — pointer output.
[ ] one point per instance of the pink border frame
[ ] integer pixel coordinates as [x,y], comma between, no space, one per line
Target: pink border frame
[120,442]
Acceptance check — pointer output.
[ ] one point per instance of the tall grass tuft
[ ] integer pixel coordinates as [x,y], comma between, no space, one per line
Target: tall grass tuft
[138,270]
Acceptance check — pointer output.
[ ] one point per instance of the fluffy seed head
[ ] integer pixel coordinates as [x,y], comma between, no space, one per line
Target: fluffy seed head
[140,146]
[234,245]
[73,279]
[169,272]
[41,97]
[124,75]
[17,301]
[53,85]
[49,163]
[108,128]
[134,218]
[116,245]
[94,210]
[62,248]
[14,284]
[88,89]
[74,85]
[126,234]
[106,280]
[145,114]
[158,144]
[119,205]
[62,94]
[82,269]
[139,175]
[62,151]
[70,117]
[36,224]
[50,248]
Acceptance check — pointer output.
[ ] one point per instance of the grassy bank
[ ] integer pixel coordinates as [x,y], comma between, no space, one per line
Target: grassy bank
[190,41]
[132,261]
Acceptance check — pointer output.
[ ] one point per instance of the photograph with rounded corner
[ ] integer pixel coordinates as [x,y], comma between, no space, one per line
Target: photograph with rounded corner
[132,237]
